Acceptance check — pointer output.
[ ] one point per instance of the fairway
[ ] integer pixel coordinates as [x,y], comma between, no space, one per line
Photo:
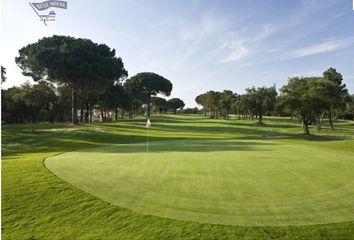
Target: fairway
[202,179]
[251,179]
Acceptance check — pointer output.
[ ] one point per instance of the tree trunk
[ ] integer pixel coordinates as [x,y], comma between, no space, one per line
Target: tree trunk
[30,120]
[91,113]
[81,111]
[87,112]
[102,116]
[260,117]
[306,127]
[318,124]
[330,118]
[50,116]
[116,114]
[148,105]
[74,119]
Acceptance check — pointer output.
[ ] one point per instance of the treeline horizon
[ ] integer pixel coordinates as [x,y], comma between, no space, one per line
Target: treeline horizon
[310,99]
[75,76]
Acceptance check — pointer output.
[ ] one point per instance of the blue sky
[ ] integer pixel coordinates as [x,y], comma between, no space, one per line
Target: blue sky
[200,45]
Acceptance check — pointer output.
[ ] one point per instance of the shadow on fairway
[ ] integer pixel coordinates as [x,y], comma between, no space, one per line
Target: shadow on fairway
[41,141]
[262,132]
[186,145]
[39,138]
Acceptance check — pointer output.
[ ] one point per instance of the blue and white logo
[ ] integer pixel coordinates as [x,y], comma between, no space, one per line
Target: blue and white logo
[44,12]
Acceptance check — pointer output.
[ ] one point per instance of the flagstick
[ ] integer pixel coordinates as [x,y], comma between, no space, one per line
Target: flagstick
[147,139]
[148,124]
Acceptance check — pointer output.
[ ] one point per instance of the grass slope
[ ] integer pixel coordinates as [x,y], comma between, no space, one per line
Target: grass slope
[38,205]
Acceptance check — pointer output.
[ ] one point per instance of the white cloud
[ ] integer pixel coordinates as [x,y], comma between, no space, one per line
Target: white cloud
[321,48]
[237,50]
[267,30]
[191,38]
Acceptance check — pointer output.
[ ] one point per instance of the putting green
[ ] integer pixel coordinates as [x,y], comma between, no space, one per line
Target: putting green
[274,182]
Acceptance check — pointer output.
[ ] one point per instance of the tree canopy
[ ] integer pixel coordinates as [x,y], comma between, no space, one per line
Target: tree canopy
[334,92]
[159,104]
[174,104]
[73,61]
[79,74]
[227,99]
[147,84]
[301,96]
[262,100]
[210,102]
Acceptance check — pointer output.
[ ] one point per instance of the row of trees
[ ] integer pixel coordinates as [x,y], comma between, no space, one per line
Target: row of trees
[311,98]
[44,102]
[217,103]
[162,105]
[308,98]
[82,74]
[33,103]
[256,102]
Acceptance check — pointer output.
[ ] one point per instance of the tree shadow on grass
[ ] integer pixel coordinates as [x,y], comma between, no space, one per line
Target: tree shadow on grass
[186,145]
[42,138]
[271,129]
[42,142]
[206,129]
[312,137]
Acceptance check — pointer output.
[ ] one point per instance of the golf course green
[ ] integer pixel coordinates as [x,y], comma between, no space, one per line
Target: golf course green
[237,182]
[222,178]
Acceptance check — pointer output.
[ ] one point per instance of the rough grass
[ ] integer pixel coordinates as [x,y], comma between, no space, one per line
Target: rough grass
[38,205]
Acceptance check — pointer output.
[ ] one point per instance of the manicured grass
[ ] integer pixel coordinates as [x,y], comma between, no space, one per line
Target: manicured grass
[237,182]
[272,166]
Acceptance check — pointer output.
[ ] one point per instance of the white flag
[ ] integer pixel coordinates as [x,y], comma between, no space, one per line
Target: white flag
[148,123]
